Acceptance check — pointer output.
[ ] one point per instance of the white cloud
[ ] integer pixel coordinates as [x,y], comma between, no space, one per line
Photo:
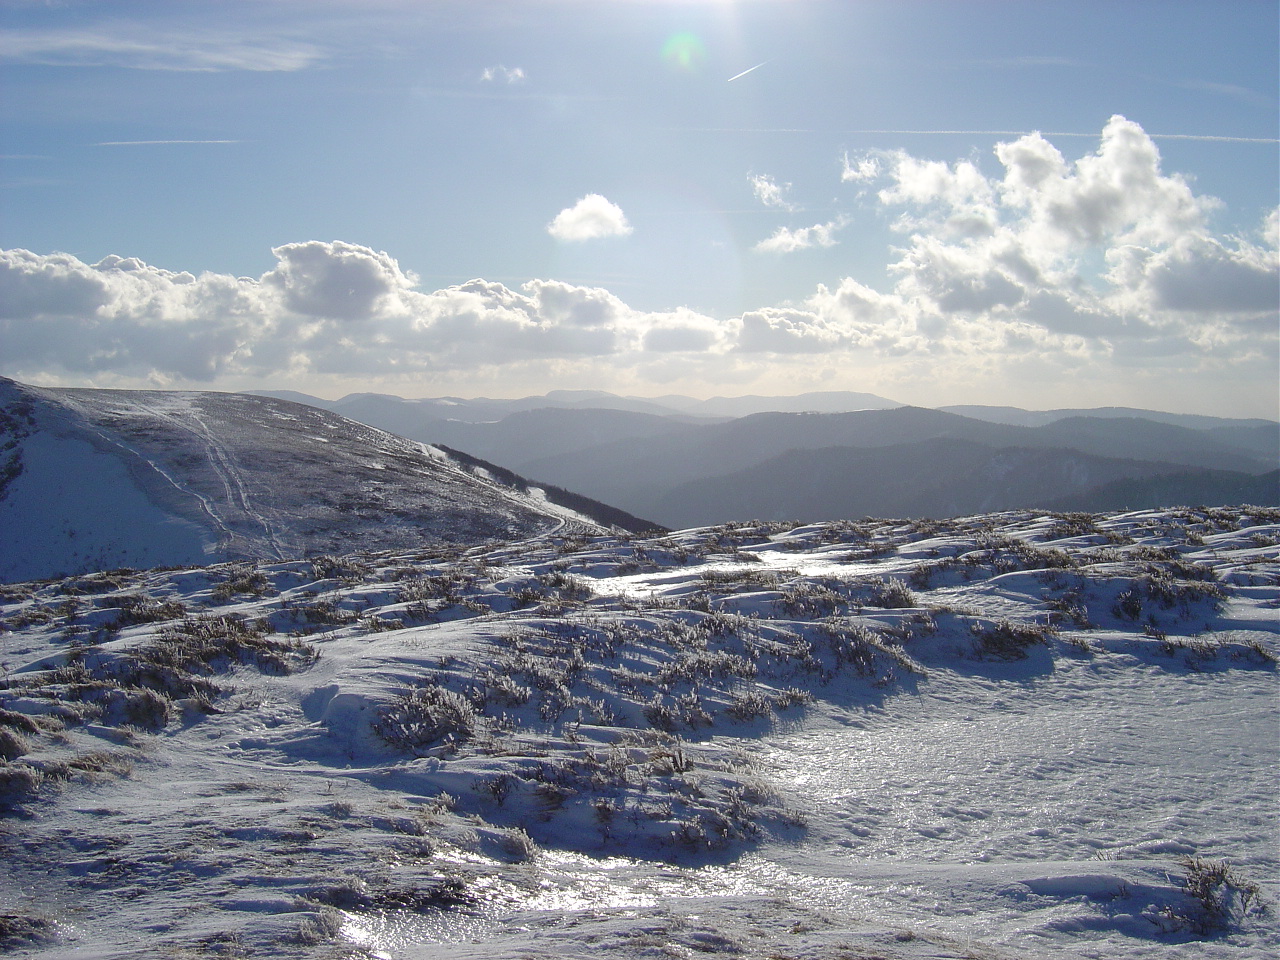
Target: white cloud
[338,280]
[1094,280]
[505,74]
[1117,194]
[326,308]
[591,218]
[1208,276]
[135,47]
[786,240]
[769,192]
[684,331]
[773,330]
[1002,252]
[125,317]
[860,170]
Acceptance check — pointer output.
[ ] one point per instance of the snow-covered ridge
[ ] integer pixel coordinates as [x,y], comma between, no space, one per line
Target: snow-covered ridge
[1014,735]
[100,479]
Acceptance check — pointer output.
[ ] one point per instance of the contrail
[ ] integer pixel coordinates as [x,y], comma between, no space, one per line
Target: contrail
[745,72]
[151,143]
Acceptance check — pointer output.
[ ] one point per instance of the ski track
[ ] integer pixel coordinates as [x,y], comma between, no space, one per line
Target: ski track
[115,442]
[180,412]
[225,466]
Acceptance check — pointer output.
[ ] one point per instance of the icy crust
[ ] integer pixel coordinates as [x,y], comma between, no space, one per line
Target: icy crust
[1009,735]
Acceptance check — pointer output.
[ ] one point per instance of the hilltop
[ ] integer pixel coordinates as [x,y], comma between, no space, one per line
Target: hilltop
[99,479]
[824,456]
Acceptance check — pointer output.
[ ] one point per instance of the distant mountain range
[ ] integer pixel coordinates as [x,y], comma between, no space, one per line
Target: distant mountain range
[685,462]
[94,479]
[483,409]
[97,479]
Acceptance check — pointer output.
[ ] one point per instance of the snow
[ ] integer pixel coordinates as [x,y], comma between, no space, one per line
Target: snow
[74,508]
[1020,732]
[119,478]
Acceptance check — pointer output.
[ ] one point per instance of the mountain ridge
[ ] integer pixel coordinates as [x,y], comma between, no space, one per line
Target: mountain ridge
[101,478]
[638,458]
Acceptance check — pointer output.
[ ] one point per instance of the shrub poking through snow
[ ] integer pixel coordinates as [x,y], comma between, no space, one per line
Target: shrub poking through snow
[1219,900]
[204,644]
[1006,640]
[137,687]
[749,705]
[18,782]
[1073,525]
[349,569]
[136,608]
[808,600]
[1128,605]
[428,717]
[892,594]
[19,930]
[241,581]
[12,744]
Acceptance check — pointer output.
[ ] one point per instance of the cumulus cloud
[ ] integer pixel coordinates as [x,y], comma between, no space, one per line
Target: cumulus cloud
[860,169]
[503,74]
[324,308]
[338,280]
[123,316]
[1020,249]
[1103,272]
[786,240]
[775,330]
[685,331]
[769,192]
[591,218]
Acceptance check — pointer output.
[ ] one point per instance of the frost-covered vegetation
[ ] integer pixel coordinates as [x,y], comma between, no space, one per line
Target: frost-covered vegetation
[397,751]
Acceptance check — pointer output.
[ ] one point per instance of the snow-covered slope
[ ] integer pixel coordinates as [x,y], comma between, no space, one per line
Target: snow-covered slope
[1007,736]
[98,479]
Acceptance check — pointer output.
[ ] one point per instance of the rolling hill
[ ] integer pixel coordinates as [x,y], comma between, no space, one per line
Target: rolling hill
[95,479]
[689,477]
[944,477]
[685,462]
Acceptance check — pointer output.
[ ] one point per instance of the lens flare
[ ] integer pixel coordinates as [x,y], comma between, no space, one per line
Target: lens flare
[684,51]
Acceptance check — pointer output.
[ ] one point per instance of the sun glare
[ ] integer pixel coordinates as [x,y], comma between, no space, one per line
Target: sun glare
[684,51]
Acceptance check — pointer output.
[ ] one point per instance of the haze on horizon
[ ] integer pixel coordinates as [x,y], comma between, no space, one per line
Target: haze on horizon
[646,197]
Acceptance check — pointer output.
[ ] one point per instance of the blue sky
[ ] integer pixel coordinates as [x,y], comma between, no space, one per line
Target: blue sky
[646,196]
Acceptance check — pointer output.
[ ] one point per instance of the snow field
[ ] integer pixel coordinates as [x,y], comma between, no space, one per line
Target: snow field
[995,736]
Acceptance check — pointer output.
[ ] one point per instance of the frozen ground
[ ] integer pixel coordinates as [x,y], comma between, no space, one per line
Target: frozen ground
[1005,736]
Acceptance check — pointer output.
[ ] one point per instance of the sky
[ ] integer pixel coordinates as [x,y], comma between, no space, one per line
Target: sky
[1044,204]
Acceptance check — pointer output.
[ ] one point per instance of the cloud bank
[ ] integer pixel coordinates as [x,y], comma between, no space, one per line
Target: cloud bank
[326,307]
[591,218]
[1098,274]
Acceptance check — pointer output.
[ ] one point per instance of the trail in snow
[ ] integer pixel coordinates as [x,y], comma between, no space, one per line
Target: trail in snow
[224,465]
